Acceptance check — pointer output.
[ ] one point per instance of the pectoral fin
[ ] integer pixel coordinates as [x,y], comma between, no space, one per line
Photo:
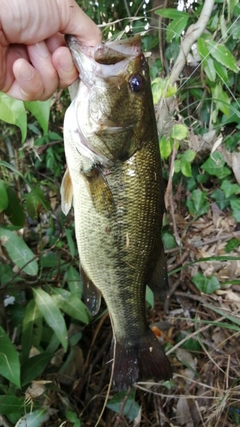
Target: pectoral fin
[91,294]
[99,190]
[66,192]
[159,280]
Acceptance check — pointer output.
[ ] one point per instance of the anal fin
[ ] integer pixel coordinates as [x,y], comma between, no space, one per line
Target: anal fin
[91,294]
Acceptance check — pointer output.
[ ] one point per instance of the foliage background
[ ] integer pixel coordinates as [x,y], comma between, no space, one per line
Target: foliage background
[53,356]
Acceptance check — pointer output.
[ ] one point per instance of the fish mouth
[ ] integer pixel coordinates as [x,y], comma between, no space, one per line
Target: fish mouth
[104,60]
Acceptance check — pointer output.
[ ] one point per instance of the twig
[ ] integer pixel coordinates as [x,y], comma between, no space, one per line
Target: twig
[169,202]
[119,416]
[191,36]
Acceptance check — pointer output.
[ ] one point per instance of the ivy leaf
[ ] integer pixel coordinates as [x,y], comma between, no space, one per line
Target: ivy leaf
[18,251]
[207,285]
[235,205]
[214,165]
[197,203]
[166,146]
[179,132]
[232,244]
[12,111]
[52,315]
[131,407]
[9,359]
[229,188]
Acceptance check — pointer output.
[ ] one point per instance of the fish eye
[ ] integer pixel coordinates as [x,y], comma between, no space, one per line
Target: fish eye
[136,82]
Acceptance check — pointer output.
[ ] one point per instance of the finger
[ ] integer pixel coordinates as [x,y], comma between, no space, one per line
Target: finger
[63,63]
[38,81]
[75,21]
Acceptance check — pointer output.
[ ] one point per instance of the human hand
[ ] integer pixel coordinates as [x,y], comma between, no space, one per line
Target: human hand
[34,59]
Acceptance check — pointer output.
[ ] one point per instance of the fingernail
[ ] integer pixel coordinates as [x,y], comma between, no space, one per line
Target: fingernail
[26,70]
[41,49]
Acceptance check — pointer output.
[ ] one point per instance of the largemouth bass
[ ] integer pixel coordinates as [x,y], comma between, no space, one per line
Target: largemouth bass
[114,177]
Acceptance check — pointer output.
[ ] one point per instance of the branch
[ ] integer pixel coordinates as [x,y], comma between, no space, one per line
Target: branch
[191,36]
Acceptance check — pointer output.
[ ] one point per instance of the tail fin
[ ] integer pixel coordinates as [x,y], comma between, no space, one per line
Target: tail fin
[143,360]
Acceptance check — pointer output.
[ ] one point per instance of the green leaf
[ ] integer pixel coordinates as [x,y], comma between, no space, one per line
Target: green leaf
[74,281]
[33,419]
[202,50]
[166,146]
[229,188]
[6,274]
[168,240]
[222,54]
[70,241]
[18,251]
[158,89]
[214,165]
[171,13]
[210,70]
[231,245]
[12,111]
[186,169]
[221,99]
[176,27]
[33,367]
[177,165]
[188,156]
[15,211]
[207,285]
[149,297]
[197,203]
[235,205]
[34,199]
[9,359]
[220,198]
[52,315]
[179,132]
[31,315]
[10,404]
[70,304]
[3,196]
[40,110]
[131,407]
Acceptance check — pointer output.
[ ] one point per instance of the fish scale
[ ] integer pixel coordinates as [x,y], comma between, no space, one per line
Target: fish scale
[114,175]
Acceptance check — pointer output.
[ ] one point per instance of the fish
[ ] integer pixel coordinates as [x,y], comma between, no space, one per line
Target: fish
[114,180]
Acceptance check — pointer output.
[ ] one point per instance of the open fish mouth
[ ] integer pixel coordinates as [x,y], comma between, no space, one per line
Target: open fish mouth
[104,60]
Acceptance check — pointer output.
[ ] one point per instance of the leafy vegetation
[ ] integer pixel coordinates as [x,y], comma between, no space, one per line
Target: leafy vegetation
[53,355]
